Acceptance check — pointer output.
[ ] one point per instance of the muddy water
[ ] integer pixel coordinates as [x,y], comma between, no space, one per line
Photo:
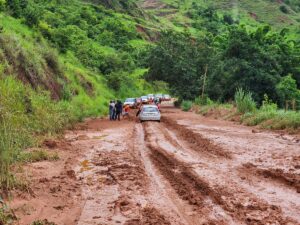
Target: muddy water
[187,170]
[164,173]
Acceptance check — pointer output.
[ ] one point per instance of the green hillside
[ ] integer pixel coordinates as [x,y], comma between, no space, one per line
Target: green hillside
[278,14]
[60,62]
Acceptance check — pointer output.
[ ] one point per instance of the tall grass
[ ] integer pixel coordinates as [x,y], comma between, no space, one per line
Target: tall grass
[244,101]
[186,105]
[24,116]
[13,134]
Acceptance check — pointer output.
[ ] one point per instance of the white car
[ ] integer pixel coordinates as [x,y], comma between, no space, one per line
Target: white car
[150,113]
[131,102]
[144,99]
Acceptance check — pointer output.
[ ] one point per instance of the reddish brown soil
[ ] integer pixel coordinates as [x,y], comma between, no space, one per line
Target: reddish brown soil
[186,170]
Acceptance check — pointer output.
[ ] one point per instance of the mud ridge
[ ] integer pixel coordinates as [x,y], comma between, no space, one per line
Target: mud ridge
[197,141]
[149,216]
[289,179]
[193,189]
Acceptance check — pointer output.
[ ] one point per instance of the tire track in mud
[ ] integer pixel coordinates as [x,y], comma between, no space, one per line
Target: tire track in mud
[289,179]
[116,183]
[183,180]
[195,140]
[191,187]
[160,192]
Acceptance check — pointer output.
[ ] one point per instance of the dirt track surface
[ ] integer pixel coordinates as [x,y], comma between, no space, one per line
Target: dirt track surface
[185,170]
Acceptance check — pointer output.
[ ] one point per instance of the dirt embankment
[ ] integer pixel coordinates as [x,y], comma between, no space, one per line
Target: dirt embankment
[186,170]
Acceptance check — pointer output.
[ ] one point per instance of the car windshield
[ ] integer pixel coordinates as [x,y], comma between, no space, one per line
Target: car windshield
[130,100]
[143,97]
[150,109]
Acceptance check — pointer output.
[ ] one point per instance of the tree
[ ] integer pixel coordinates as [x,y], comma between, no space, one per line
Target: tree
[254,61]
[287,90]
[32,14]
[179,60]
[16,7]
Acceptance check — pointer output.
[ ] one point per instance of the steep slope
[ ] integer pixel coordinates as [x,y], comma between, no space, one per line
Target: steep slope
[60,62]
[279,14]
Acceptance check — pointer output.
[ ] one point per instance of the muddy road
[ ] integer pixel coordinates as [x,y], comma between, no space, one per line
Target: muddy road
[185,170]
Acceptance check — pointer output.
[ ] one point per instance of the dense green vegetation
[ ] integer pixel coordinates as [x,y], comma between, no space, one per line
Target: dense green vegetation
[62,61]
[255,58]
[221,48]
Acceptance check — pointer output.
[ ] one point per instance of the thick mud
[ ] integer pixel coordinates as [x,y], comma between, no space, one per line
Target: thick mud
[186,170]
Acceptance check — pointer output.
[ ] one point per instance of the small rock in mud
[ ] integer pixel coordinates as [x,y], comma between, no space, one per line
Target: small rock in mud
[43,180]
[55,189]
[50,143]
[297,166]
[82,137]
[60,207]
[71,174]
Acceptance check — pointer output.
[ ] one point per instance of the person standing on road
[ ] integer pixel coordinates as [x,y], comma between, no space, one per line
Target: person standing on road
[111,110]
[139,109]
[119,109]
[126,110]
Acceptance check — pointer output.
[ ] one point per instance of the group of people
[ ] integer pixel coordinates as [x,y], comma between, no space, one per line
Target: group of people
[116,109]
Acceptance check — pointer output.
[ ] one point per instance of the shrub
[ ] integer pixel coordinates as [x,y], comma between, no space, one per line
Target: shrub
[284,120]
[244,101]
[6,214]
[203,101]
[42,222]
[2,5]
[284,9]
[287,90]
[268,105]
[186,105]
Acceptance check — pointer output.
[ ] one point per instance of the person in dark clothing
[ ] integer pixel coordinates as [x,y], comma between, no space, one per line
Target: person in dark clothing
[119,109]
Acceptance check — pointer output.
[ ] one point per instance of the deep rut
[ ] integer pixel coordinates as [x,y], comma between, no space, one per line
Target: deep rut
[195,178]
[187,170]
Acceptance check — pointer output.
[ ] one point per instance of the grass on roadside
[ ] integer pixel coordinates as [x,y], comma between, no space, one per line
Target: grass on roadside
[276,120]
[268,116]
[37,156]
[23,116]
[42,222]
[6,215]
[186,105]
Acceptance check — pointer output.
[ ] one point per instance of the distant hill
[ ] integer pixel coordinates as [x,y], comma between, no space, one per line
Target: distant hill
[279,14]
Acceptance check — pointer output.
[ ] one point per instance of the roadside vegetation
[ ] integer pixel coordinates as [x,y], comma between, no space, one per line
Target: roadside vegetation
[239,66]
[245,110]
[61,62]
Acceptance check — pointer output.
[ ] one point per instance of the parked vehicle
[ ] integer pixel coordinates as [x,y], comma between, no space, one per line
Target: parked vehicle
[138,100]
[150,113]
[166,97]
[131,102]
[160,96]
[150,97]
[144,99]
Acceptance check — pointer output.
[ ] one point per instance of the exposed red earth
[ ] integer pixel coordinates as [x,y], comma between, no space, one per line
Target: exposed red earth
[188,169]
